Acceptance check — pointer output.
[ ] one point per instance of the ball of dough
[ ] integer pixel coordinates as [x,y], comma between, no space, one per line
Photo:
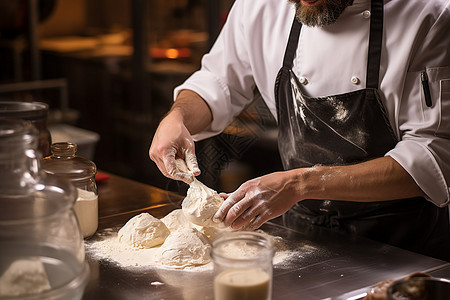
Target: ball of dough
[212,232]
[143,231]
[200,204]
[184,248]
[176,220]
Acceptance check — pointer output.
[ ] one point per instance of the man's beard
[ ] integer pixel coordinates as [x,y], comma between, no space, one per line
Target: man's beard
[324,13]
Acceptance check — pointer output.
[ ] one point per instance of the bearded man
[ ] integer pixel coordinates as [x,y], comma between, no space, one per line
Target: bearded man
[361,93]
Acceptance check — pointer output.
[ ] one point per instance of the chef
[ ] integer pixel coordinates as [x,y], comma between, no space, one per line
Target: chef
[361,93]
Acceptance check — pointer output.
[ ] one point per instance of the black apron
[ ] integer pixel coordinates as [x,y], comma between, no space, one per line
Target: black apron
[346,129]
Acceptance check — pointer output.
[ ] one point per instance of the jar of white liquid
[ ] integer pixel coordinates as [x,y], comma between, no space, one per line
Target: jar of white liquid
[242,266]
[81,173]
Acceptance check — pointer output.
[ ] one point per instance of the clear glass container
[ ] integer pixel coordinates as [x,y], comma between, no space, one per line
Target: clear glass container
[242,266]
[36,113]
[80,172]
[42,250]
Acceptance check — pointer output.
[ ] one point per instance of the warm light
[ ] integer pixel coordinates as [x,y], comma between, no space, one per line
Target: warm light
[172,53]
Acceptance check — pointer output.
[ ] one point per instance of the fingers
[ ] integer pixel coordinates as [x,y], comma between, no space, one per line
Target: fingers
[251,219]
[242,210]
[191,162]
[237,211]
[175,168]
[224,196]
[181,171]
[230,200]
[166,162]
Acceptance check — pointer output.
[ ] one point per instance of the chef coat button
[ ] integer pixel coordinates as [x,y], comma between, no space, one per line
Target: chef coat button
[366,14]
[355,80]
[303,80]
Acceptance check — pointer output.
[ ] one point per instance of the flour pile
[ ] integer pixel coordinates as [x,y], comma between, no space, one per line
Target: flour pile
[172,242]
[187,247]
[180,240]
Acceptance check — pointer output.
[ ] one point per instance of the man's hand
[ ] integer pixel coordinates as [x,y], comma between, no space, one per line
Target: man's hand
[173,139]
[259,200]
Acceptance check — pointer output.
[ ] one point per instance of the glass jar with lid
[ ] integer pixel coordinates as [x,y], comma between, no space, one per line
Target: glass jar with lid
[42,249]
[80,171]
[34,112]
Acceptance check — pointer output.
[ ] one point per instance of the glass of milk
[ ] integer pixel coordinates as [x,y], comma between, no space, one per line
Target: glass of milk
[80,172]
[242,266]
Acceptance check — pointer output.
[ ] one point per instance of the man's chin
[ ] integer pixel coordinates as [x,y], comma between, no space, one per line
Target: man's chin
[317,13]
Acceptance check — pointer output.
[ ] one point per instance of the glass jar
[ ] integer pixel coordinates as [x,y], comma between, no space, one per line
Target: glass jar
[42,250]
[36,113]
[80,172]
[242,266]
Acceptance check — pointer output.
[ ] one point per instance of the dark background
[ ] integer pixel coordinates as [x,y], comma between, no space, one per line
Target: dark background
[117,85]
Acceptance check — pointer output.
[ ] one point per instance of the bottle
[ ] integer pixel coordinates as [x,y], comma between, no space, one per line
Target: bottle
[80,171]
[42,249]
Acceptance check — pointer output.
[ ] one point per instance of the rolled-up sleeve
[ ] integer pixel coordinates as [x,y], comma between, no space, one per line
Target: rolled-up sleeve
[424,129]
[423,160]
[225,78]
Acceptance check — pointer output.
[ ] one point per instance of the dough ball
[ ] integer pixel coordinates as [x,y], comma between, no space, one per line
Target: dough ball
[200,204]
[213,232]
[143,231]
[25,276]
[184,248]
[176,220]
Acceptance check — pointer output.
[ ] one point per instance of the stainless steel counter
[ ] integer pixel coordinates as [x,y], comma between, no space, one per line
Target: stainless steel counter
[326,265]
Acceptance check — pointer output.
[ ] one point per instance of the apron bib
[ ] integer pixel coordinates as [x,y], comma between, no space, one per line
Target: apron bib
[347,129]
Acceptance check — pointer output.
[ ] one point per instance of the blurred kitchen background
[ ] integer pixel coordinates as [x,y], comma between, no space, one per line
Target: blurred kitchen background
[107,69]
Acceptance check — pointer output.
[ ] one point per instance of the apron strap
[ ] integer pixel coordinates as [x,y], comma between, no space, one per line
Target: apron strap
[291,48]
[375,43]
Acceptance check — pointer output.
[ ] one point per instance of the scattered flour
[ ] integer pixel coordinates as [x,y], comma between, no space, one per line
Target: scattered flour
[180,240]
[109,247]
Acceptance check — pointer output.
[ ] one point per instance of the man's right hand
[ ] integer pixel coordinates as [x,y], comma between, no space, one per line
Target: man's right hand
[172,141]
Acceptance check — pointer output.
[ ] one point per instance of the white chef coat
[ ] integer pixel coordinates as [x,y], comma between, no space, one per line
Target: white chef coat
[332,60]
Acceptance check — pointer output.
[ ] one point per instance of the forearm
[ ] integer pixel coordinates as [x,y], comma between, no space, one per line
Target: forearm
[375,180]
[190,109]
[266,197]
